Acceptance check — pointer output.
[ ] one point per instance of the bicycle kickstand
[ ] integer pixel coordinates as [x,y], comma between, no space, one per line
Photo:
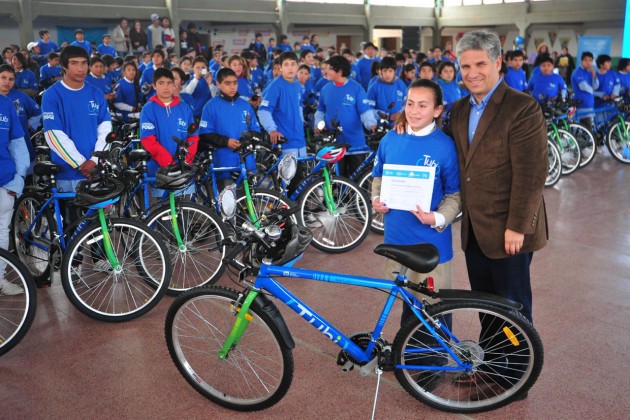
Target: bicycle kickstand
[379,371]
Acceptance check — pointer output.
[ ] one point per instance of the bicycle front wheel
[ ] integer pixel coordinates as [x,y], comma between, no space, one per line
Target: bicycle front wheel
[100,292]
[18,301]
[257,372]
[569,150]
[365,182]
[500,350]
[554,165]
[200,260]
[33,246]
[586,140]
[344,229]
[619,141]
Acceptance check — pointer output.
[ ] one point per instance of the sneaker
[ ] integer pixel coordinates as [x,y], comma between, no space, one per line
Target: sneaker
[102,266]
[311,221]
[75,273]
[9,289]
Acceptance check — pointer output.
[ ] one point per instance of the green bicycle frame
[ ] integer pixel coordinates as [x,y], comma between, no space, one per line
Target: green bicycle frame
[622,130]
[178,236]
[242,321]
[250,205]
[328,196]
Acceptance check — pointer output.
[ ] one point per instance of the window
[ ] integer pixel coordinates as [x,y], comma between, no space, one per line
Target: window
[408,3]
[329,1]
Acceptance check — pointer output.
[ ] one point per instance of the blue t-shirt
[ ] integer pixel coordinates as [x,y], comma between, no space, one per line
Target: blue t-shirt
[345,104]
[77,113]
[583,87]
[516,79]
[230,119]
[199,98]
[47,73]
[258,79]
[543,87]
[435,149]
[26,79]
[127,93]
[320,85]
[107,49]
[624,82]
[283,100]
[9,130]
[26,108]
[47,47]
[103,83]
[245,88]
[364,70]
[388,97]
[609,84]
[451,91]
[86,45]
[164,122]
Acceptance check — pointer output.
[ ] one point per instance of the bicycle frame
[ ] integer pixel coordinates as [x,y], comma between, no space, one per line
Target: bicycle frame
[264,281]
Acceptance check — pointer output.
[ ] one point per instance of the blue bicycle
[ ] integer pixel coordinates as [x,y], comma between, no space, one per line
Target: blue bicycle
[469,352]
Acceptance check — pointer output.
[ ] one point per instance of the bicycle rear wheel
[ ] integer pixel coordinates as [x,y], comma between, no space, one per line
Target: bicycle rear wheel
[501,349]
[257,372]
[201,261]
[365,182]
[340,232]
[554,165]
[18,301]
[33,248]
[619,141]
[95,289]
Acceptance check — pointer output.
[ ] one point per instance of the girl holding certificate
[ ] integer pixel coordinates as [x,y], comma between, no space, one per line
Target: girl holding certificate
[421,144]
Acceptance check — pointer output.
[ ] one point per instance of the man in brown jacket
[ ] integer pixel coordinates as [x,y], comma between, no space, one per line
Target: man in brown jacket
[502,147]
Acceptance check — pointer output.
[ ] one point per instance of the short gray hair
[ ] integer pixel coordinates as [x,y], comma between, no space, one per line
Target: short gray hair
[480,40]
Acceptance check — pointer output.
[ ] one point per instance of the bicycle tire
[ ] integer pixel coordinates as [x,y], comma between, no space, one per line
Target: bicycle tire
[378,219]
[586,140]
[569,150]
[344,231]
[36,260]
[201,262]
[618,142]
[259,369]
[554,165]
[109,296]
[505,362]
[17,310]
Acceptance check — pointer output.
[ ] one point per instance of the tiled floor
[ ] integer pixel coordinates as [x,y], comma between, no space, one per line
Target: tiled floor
[69,366]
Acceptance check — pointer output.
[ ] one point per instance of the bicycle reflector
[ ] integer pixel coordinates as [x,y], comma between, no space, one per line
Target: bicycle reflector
[331,154]
[430,284]
[227,201]
[287,168]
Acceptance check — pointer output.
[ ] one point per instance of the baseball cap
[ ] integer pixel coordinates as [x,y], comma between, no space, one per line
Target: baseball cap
[31,45]
[369,44]
[106,36]
[155,16]
[78,31]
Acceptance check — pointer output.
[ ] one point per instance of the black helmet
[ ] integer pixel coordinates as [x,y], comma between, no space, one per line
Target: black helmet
[174,177]
[293,241]
[97,191]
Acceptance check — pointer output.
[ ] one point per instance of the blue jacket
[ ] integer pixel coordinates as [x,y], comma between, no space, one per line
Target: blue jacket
[281,110]
[584,87]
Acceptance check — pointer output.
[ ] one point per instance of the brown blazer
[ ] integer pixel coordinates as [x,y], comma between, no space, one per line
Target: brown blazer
[503,171]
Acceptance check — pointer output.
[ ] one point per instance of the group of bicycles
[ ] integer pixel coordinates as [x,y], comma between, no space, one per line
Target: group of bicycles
[573,145]
[177,232]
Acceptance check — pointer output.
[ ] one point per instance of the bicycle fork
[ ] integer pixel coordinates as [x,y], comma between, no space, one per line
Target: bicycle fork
[243,319]
[328,195]
[107,243]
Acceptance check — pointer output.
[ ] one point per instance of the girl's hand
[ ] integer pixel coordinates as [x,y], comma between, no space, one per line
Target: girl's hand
[379,206]
[401,123]
[425,218]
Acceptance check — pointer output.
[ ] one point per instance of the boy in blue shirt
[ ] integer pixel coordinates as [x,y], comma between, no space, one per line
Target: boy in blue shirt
[515,76]
[50,72]
[223,120]
[609,85]
[13,166]
[387,94]
[46,46]
[105,47]
[98,78]
[80,41]
[146,80]
[546,85]
[623,72]
[197,87]
[280,111]
[346,102]
[163,117]
[128,94]
[451,91]
[584,82]
[364,65]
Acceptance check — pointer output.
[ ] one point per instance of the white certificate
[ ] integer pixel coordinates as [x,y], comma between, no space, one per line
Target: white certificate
[404,187]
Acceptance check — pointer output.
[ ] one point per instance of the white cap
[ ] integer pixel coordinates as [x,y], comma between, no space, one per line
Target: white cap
[154,16]
[31,45]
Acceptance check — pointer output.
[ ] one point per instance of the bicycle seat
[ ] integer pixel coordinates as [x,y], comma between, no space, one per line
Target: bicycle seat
[46,168]
[138,155]
[421,258]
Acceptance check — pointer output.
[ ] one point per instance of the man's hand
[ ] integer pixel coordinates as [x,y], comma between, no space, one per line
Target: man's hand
[513,242]
[274,136]
[425,218]
[379,206]
[87,168]
[233,144]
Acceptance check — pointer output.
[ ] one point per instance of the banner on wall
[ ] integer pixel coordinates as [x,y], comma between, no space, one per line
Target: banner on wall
[594,44]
